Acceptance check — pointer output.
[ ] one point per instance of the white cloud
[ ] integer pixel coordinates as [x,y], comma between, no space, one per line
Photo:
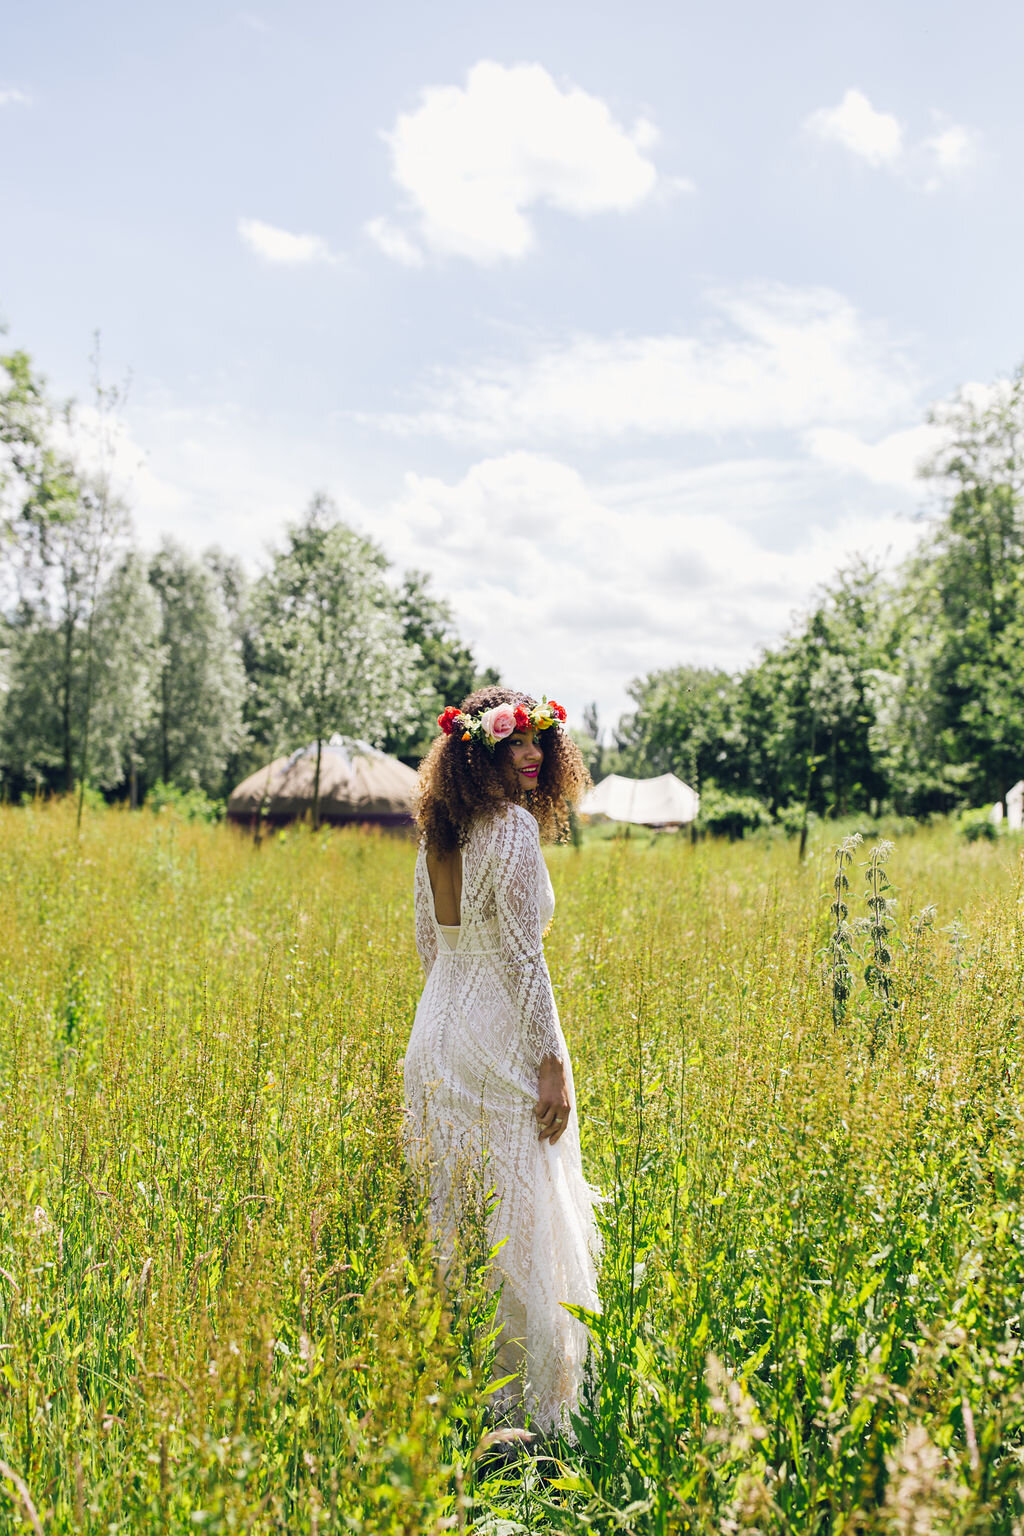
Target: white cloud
[953,148]
[105,443]
[876,137]
[647,576]
[218,474]
[472,162]
[394,242]
[892,460]
[279,245]
[11,96]
[879,138]
[571,584]
[948,153]
[776,359]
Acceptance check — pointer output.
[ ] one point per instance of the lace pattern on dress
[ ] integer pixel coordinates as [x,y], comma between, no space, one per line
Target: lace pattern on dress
[486,1019]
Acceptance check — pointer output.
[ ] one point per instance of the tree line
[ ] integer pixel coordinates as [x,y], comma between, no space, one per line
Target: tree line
[902,691]
[122,670]
[125,670]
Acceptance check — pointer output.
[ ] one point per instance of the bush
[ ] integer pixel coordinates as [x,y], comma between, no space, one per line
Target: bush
[724,815]
[791,819]
[975,825]
[185,804]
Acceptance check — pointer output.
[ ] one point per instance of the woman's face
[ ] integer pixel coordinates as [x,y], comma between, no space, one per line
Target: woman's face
[525,754]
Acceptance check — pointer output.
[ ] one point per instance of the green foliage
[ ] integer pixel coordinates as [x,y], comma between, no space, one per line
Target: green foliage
[111,672]
[184,804]
[906,691]
[196,723]
[326,648]
[791,818]
[726,815]
[91,797]
[840,950]
[80,637]
[975,824]
[684,723]
[37,482]
[219,1307]
[446,666]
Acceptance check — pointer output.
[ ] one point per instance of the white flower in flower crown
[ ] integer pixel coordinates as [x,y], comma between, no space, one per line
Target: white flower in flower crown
[499,722]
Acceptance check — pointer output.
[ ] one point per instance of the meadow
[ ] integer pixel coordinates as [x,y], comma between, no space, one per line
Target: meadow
[218,1305]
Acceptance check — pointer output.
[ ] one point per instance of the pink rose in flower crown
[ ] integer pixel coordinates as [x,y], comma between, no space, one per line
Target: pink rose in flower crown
[499,722]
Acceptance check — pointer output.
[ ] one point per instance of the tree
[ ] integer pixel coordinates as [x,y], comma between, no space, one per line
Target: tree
[61,577]
[972,579]
[37,482]
[327,649]
[447,667]
[683,724]
[43,722]
[66,574]
[128,659]
[200,691]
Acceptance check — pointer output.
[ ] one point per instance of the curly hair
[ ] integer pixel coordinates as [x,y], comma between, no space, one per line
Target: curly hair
[461,780]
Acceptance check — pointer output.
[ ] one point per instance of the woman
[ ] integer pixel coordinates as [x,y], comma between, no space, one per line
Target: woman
[488,1081]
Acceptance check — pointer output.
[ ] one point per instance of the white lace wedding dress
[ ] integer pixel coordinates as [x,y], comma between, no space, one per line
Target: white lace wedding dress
[485,1020]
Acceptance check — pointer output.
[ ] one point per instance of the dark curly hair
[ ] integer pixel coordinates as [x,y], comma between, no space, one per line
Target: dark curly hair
[461,780]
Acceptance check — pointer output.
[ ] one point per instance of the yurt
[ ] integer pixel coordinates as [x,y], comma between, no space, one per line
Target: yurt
[358,783]
[661,802]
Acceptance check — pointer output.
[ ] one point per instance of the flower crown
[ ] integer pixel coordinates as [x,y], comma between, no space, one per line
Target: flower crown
[493,725]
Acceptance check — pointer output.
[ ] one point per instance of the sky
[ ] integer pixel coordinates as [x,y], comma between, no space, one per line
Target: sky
[623,322]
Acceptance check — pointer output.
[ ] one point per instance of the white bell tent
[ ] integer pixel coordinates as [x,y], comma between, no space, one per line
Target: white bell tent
[664,801]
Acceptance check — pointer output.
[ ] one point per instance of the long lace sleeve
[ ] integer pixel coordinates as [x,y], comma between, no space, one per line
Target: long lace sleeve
[423,903]
[519,877]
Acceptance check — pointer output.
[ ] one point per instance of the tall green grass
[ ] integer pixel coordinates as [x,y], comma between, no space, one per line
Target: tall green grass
[218,1304]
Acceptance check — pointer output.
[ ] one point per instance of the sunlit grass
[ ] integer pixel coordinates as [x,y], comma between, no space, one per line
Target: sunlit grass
[218,1299]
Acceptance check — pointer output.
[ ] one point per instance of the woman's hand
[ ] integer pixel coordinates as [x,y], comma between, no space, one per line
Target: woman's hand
[553,1107]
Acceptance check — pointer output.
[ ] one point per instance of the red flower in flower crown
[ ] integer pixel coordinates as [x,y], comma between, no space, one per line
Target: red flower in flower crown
[557,710]
[447,718]
[522,718]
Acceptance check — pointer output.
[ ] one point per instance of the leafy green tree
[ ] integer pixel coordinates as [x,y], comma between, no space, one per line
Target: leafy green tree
[44,717]
[447,668]
[806,707]
[793,728]
[200,690]
[684,723]
[128,659]
[37,481]
[76,617]
[61,577]
[232,584]
[327,647]
[971,578]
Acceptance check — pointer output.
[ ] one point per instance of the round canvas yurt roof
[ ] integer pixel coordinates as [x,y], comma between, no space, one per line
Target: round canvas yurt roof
[357,783]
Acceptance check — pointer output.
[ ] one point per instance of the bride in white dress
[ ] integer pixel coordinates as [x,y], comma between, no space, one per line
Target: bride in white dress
[488,1081]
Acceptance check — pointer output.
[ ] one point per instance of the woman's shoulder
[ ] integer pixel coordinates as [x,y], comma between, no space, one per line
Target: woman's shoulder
[508,827]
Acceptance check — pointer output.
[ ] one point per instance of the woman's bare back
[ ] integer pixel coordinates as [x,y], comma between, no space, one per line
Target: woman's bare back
[445,872]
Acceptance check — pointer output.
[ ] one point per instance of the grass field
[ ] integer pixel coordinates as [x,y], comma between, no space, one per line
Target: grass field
[218,1309]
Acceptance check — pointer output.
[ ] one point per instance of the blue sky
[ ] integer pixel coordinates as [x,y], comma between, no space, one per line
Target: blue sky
[621,321]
